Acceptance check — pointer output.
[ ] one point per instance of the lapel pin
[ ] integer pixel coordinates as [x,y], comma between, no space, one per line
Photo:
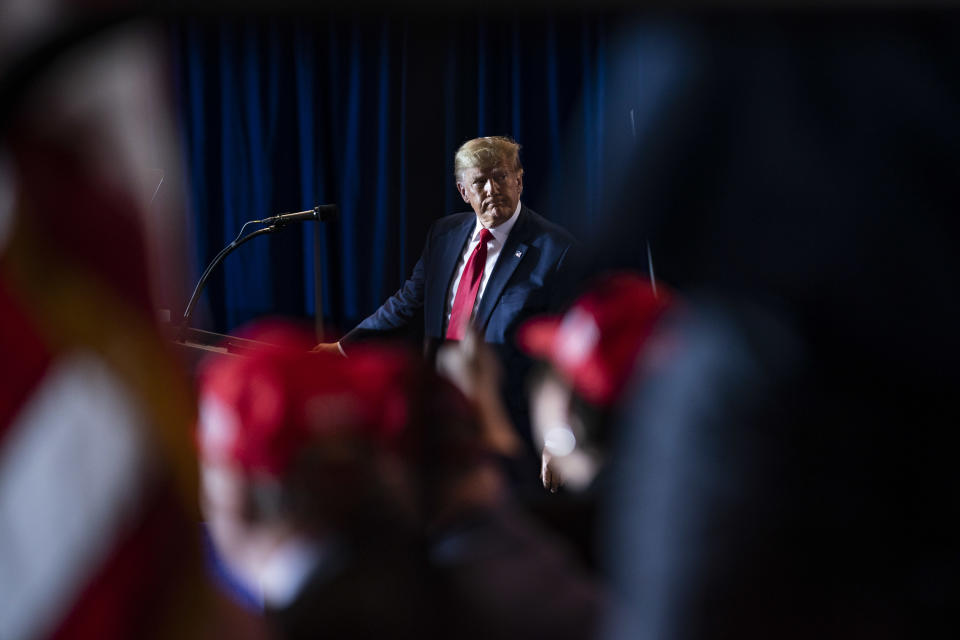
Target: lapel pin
[519,253]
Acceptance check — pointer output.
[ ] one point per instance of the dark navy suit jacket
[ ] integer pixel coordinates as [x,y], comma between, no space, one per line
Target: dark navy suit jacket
[528,279]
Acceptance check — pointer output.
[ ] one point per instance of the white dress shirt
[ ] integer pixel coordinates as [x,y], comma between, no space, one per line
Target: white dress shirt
[494,247]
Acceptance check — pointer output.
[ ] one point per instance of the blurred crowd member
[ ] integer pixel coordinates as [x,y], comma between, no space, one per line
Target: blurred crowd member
[706,535]
[97,484]
[787,474]
[307,492]
[589,353]
[497,573]
[360,497]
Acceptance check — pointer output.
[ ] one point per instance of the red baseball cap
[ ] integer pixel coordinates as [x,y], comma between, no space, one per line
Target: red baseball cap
[595,344]
[260,410]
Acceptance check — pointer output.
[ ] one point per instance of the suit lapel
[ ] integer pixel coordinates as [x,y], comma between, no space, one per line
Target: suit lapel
[450,249]
[510,256]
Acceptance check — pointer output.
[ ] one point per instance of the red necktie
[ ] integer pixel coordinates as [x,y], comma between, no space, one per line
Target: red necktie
[467,289]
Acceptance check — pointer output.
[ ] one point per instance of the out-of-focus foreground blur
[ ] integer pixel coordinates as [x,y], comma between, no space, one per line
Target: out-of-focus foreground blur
[97,468]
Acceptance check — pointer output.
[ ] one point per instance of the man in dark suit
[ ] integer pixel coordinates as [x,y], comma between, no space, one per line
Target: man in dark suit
[489,269]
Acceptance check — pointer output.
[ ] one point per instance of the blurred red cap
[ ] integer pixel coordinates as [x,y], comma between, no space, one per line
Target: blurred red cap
[595,343]
[260,410]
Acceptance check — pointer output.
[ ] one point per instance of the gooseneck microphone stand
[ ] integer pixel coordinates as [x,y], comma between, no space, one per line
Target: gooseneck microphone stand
[320,213]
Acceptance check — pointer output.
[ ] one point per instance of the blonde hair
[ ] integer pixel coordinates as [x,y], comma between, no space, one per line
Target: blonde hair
[486,153]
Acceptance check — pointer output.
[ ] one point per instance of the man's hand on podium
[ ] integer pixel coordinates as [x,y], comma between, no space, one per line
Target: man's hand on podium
[329,347]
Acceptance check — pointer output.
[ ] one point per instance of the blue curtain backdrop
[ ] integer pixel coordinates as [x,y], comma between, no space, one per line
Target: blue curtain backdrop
[366,112]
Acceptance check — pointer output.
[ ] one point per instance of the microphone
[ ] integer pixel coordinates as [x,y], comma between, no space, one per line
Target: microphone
[320,213]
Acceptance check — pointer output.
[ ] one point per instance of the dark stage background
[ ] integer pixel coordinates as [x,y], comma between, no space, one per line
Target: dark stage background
[366,112]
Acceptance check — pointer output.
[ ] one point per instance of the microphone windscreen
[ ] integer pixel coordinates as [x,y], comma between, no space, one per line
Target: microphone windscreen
[326,212]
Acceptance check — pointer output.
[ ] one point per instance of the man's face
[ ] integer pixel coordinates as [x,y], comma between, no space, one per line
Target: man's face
[493,193]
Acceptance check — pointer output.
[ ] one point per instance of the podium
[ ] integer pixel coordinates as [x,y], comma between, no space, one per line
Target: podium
[194,345]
